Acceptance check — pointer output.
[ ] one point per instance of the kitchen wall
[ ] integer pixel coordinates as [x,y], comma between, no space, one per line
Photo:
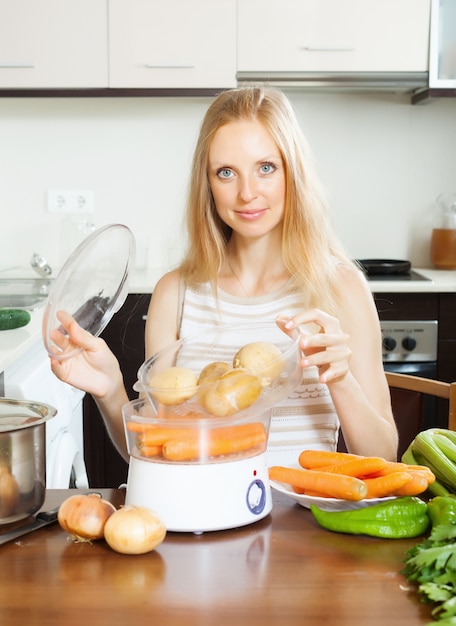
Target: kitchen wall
[383,160]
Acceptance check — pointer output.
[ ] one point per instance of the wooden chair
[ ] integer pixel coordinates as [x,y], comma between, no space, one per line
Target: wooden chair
[409,396]
[429,387]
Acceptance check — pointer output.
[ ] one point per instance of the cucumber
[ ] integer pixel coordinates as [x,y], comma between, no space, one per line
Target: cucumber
[13,318]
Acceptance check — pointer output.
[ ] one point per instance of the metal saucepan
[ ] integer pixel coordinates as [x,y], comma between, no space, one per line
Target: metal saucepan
[22,458]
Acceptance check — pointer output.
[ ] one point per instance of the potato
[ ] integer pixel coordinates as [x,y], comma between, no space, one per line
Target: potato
[233,392]
[263,358]
[173,385]
[210,374]
[9,492]
[213,371]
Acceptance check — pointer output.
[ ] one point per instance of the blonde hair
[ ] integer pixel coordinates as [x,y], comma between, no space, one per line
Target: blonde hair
[310,248]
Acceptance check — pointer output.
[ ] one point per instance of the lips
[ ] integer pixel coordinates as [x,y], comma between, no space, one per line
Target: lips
[252,214]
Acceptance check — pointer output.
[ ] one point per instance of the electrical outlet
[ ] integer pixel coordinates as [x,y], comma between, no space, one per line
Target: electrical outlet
[70,201]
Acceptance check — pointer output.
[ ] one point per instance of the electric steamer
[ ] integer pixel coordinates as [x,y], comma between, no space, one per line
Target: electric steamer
[207,491]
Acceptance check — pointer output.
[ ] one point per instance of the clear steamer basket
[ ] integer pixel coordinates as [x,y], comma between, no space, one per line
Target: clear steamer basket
[199,470]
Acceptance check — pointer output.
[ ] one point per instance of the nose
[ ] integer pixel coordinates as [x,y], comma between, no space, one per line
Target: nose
[247,188]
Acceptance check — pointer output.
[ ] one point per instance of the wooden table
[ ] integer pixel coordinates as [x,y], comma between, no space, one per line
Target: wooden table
[282,570]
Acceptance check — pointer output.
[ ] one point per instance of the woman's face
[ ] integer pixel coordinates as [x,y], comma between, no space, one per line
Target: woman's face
[247,178]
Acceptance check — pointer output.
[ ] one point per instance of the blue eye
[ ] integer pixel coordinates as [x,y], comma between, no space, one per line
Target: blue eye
[225,173]
[267,168]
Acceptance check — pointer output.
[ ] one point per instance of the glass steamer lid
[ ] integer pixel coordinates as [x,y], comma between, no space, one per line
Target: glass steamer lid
[91,286]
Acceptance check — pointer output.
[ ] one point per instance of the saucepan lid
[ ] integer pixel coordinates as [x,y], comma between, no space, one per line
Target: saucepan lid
[19,414]
[385,266]
[91,286]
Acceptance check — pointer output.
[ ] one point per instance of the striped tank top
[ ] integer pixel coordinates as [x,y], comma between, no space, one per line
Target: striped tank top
[307,418]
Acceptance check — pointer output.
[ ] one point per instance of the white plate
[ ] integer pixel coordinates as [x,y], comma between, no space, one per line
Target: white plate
[326,504]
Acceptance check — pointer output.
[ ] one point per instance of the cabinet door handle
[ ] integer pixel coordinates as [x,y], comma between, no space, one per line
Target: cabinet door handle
[328,48]
[16,66]
[169,67]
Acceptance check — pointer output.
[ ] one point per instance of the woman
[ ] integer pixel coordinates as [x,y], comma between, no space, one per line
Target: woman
[261,246]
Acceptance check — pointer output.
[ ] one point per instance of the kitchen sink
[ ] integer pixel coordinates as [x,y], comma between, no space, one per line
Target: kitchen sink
[29,293]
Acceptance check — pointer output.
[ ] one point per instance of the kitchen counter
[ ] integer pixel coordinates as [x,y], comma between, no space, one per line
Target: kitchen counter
[439,281]
[283,569]
[15,343]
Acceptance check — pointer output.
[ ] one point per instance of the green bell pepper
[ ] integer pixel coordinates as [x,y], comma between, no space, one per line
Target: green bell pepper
[393,519]
[442,510]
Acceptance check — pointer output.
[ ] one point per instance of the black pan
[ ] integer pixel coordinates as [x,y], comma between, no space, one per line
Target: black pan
[385,266]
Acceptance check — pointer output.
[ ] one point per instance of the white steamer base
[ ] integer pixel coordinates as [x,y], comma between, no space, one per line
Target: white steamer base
[202,497]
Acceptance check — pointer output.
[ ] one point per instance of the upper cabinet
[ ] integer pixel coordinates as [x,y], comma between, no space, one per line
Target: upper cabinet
[128,44]
[108,46]
[333,36]
[175,44]
[53,44]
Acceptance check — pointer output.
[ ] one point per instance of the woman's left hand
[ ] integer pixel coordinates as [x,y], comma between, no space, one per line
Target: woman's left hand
[325,346]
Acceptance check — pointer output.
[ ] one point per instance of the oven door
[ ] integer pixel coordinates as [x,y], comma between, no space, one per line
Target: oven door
[411,413]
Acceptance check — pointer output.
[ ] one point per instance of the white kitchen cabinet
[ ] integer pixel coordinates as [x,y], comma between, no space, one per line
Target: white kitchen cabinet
[53,44]
[333,35]
[176,44]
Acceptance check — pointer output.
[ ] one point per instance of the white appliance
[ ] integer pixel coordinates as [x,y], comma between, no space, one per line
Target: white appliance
[30,378]
[203,466]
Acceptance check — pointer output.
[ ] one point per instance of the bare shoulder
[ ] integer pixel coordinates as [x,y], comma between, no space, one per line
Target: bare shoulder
[354,294]
[168,284]
[350,280]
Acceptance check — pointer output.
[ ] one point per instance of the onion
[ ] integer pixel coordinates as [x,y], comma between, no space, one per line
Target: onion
[84,516]
[134,530]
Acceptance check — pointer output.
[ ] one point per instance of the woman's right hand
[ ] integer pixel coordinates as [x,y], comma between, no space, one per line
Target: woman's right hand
[93,368]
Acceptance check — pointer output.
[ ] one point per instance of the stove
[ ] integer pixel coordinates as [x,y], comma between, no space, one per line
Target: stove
[411,275]
[390,270]
[409,341]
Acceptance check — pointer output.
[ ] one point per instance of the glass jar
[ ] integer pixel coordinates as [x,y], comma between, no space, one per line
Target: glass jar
[443,239]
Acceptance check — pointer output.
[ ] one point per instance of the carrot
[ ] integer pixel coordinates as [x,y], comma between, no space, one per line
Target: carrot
[314,459]
[331,485]
[358,467]
[309,492]
[137,427]
[151,450]
[162,415]
[418,484]
[392,467]
[387,485]
[218,442]
[158,435]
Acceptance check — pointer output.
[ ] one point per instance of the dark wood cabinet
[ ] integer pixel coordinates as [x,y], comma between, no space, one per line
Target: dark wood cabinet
[407,306]
[446,362]
[125,336]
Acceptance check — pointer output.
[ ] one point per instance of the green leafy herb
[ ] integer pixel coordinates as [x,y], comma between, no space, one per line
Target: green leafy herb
[432,565]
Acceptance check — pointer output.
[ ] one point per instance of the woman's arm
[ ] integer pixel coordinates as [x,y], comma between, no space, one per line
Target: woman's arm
[362,398]
[162,316]
[348,353]
[95,370]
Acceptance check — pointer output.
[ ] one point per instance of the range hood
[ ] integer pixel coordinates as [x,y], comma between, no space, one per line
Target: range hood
[341,82]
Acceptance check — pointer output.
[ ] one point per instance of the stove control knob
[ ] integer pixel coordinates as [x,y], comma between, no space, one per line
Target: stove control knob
[409,343]
[389,343]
